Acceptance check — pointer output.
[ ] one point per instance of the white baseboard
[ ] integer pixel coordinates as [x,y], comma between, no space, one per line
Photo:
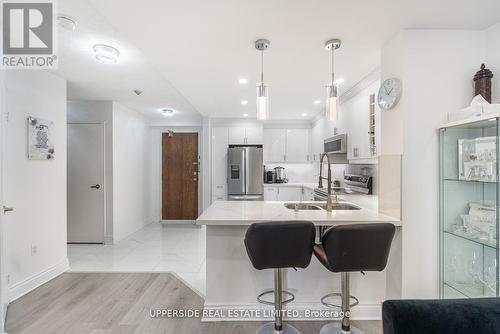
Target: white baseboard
[178,222]
[21,288]
[221,312]
[108,240]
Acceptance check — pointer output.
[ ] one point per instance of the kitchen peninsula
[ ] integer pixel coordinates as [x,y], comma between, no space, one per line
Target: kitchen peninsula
[232,282]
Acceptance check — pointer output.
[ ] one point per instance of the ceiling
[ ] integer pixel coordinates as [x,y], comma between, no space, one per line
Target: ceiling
[196,50]
[89,79]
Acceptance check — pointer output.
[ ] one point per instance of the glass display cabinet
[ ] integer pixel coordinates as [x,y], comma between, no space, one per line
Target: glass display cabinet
[469,198]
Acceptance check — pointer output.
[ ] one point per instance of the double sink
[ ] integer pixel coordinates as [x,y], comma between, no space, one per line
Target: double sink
[301,206]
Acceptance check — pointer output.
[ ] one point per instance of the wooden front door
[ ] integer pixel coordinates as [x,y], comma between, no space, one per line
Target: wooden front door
[180,176]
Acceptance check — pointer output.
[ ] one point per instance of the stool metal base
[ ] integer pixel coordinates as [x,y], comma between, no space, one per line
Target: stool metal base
[268,328]
[336,328]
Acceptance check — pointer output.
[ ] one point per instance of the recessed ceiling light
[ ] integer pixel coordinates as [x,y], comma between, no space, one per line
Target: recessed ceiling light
[167,111]
[339,81]
[244,102]
[106,54]
[317,102]
[242,81]
[245,115]
[303,114]
[66,22]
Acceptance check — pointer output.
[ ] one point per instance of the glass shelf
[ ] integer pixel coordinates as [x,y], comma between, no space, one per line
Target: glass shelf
[469,262]
[492,244]
[469,290]
[473,181]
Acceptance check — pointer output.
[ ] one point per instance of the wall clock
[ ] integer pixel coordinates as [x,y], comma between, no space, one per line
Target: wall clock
[389,93]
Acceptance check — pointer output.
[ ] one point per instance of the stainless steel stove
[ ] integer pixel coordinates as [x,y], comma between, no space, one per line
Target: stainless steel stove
[355,184]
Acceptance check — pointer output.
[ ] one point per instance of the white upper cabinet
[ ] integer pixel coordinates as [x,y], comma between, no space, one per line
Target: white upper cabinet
[219,161]
[357,115]
[316,141]
[287,145]
[245,136]
[297,145]
[237,136]
[274,145]
[254,136]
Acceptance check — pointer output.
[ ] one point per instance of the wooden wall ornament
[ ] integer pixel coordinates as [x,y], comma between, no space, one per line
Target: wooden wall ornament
[482,81]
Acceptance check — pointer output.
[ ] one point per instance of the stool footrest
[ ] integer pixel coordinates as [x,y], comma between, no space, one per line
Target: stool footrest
[262,301]
[326,303]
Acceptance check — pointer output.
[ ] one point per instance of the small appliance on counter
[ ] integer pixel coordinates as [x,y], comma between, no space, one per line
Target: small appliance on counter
[279,175]
[355,184]
[269,176]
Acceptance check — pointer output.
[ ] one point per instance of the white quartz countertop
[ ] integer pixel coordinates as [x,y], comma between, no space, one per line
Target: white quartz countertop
[309,185]
[241,213]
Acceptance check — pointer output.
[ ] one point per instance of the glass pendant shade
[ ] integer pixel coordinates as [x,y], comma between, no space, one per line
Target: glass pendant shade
[331,102]
[262,101]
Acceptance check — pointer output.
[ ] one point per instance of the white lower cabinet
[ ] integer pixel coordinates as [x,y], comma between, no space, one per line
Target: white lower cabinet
[308,194]
[289,193]
[219,198]
[270,193]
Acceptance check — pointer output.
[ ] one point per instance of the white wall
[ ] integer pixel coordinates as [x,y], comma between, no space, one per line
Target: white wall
[3,286]
[493,59]
[128,164]
[36,189]
[131,172]
[99,112]
[436,67]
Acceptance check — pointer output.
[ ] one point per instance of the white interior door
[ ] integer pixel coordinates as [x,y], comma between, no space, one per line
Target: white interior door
[86,205]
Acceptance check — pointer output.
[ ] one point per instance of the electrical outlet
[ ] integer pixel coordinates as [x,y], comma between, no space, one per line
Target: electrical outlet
[34,250]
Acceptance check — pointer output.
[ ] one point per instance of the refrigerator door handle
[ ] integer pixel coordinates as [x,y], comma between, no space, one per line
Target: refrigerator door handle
[245,163]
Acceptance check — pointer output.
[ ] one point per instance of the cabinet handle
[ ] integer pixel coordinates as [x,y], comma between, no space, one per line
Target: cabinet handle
[308,157]
[284,158]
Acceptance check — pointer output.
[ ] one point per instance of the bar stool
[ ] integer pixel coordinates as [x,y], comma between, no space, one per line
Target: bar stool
[351,248]
[279,245]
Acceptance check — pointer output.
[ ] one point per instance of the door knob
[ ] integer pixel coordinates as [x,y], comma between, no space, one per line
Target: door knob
[97,186]
[7,209]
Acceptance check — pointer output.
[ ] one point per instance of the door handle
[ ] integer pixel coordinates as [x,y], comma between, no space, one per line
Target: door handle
[96,186]
[7,209]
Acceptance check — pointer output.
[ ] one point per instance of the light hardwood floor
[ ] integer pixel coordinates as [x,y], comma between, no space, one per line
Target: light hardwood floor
[102,303]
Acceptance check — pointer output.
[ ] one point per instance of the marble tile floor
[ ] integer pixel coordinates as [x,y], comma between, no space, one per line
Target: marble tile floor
[179,249]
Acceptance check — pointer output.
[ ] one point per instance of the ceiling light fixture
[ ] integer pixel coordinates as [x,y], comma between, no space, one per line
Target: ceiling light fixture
[66,22]
[242,81]
[167,111]
[244,102]
[262,88]
[106,54]
[245,115]
[303,114]
[317,102]
[331,88]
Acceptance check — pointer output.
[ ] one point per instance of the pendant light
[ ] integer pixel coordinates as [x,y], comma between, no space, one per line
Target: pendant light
[262,88]
[331,88]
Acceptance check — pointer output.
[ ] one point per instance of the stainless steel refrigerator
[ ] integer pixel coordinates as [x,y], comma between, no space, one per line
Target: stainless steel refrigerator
[245,173]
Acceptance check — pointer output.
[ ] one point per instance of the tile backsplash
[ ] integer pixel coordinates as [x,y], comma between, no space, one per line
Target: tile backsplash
[296,172]
[310,172]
